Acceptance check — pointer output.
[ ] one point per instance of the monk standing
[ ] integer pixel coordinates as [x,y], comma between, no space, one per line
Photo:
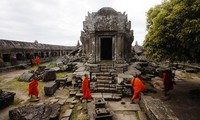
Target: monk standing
[138,87]
[33,87]
[167,81]
[85,88]
[37,60]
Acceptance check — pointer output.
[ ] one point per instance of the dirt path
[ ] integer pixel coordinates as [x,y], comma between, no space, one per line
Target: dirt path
[180,101]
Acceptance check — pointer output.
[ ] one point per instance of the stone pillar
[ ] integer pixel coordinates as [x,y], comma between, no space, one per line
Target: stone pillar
[98,48]
[92,55]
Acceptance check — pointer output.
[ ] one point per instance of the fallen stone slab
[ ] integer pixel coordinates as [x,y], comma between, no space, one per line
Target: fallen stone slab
[69,100]
[30,112]
[62,81]
[65,118]
[156,109]
[49,75]
[26,76]
[50,88]
[67,113]
[6,98]
[62,101]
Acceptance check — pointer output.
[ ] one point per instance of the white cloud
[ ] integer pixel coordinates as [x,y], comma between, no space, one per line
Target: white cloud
[60,21]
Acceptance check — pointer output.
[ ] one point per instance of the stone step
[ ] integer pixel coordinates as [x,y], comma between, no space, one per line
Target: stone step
[106,89]
[104,77]
[107,96]
[104,81]
[105,74]
[105,70]
[105,85]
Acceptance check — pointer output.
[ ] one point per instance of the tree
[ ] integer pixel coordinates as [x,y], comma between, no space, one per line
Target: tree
[174,31]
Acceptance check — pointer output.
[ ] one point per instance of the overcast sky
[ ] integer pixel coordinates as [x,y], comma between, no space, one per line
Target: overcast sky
[60,21]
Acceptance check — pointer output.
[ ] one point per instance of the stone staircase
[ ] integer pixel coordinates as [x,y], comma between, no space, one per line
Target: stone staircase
[106,67]
[105,84]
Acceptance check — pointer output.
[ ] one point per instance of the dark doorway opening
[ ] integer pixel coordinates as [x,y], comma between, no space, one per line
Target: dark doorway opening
[6,57]
[19,56]
[106,48]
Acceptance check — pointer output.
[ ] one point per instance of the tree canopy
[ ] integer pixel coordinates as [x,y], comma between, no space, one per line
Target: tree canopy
[174,31]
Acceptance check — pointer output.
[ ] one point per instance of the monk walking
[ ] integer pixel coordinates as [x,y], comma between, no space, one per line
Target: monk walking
[85,88]
[37,60]
[33,87]
[167,81]
[138,87]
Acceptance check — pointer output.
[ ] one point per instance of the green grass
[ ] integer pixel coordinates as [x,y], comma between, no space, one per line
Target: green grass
[52,65]
[14,85]
[79,114]
[61,74]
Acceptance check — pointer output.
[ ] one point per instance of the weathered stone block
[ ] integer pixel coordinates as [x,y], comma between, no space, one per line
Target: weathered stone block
[49,75]
[50,88]
[26,76]
[42,112]
[6,98]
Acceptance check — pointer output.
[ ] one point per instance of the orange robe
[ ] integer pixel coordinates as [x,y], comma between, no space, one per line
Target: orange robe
[33,88]
[86,89]
[138,87]
[37,60]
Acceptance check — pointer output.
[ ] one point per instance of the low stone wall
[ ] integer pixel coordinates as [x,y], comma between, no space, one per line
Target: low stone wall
[156,109]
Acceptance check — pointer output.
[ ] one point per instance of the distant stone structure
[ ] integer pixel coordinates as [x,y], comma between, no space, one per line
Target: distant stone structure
[16,52]
[107,35]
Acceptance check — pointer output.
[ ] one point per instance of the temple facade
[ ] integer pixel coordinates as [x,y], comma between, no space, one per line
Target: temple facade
[107,36]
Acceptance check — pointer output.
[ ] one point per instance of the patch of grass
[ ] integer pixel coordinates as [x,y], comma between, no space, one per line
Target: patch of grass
[14,84]
[33,68]
[61,74]
[79,114]
[63,109]
[52,65]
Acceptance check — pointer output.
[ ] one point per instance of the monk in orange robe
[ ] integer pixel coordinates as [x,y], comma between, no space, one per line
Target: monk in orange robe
[37,60]
[167,81]
[85,88]
[33,87]
[138,87]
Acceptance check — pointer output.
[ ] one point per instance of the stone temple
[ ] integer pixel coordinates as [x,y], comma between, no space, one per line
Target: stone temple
[107,36]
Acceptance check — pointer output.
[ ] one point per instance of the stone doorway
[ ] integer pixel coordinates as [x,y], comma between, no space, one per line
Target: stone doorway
[106,48]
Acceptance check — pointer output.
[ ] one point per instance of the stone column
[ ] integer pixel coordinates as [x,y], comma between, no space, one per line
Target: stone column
[92,55]
[98,46]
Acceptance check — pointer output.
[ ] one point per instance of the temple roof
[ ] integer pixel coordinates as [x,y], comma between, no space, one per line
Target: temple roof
[107,11]
[10,44]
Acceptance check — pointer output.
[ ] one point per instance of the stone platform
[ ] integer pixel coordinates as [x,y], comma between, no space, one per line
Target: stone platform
[119,111]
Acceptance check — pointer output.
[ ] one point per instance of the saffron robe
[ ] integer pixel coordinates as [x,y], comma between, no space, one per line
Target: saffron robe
[37,60]
[33,88]
[86,89]
[138,87]
[167,80]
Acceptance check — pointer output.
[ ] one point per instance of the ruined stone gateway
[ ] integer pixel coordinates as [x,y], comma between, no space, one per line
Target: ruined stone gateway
[107,36]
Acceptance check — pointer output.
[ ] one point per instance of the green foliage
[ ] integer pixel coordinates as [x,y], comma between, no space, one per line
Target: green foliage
[174,31]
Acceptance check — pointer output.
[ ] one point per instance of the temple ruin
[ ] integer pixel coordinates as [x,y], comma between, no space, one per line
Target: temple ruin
[107,36]
[16,52]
